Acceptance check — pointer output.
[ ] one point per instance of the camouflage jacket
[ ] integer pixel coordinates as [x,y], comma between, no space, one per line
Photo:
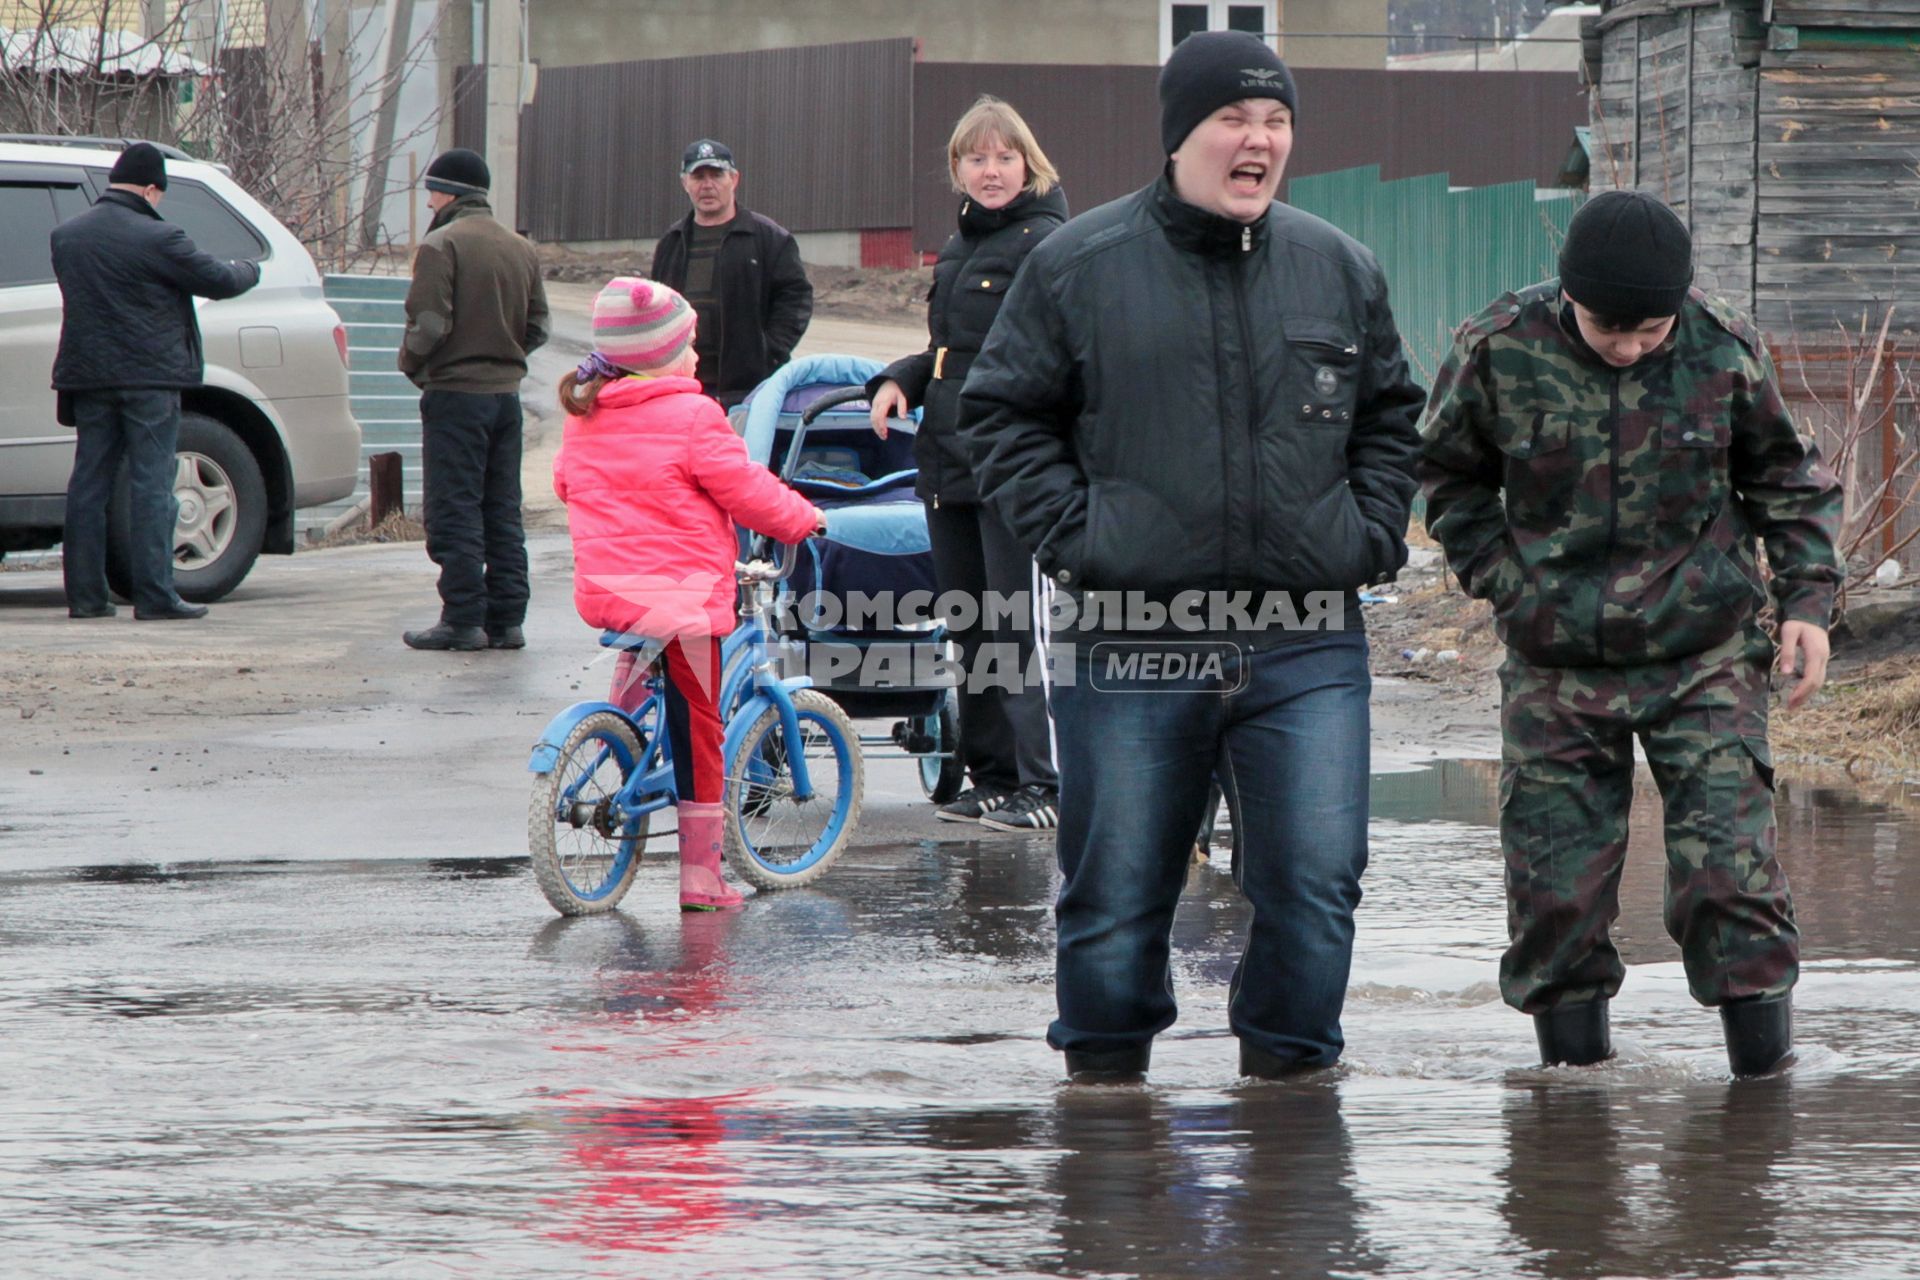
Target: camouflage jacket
[1610,515]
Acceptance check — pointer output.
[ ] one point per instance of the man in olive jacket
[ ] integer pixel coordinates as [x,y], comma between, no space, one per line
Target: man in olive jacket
[1195,397]
[477,307]
[129,345]
[742,273]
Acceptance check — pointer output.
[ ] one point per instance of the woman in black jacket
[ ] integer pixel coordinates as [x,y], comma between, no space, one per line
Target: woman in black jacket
[1011,200]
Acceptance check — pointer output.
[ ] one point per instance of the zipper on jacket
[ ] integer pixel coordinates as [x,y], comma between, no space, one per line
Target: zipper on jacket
[1246,238]
[1238,271]
[1613,521]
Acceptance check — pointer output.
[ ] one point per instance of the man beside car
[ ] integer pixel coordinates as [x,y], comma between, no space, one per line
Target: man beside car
[129,345]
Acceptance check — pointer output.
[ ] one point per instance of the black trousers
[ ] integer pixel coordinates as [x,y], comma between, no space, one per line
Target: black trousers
[470,445]
[1005,737]
[143,428]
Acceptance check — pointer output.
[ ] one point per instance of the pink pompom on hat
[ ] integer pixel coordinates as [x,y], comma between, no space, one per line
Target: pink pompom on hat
[641,325]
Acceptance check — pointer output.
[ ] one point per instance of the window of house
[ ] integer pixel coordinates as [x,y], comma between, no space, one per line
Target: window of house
[26,251]
[1182,18]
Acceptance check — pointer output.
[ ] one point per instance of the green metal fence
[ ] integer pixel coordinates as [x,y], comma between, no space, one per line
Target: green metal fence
[1447,253]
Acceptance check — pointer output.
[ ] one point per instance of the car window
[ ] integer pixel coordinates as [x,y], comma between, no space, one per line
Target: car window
[26,251]
[216,230]
[69,202]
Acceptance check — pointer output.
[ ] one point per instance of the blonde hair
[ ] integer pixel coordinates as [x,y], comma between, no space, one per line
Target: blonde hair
[990,118]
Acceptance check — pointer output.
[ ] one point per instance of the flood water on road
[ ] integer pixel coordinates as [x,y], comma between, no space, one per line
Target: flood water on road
[410,1067]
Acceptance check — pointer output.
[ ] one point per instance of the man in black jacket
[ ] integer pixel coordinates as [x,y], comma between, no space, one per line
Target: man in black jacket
[129,344]
[1193,406]
[741,272]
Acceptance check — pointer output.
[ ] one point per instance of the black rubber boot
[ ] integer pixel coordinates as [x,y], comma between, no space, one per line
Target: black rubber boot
[447,635]
[1574,1034]
[1759,1034]
[1118,1066]
[1261,1065]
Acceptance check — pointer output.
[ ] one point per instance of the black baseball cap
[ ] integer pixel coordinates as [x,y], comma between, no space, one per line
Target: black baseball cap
[706,154]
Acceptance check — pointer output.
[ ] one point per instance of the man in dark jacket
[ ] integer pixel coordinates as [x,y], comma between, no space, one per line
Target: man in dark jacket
[476,308]
[1194,405]
[741,272]
[129,344]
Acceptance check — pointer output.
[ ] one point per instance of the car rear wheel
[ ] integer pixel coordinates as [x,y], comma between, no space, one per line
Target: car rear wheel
[222,522]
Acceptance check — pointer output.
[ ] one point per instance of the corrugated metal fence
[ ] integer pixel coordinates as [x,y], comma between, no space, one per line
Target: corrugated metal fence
[1446,252]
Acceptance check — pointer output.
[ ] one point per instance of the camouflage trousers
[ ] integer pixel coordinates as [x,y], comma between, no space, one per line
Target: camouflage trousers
[1566,785]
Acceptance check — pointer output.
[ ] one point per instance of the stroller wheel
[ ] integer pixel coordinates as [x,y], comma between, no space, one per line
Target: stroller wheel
[942,771]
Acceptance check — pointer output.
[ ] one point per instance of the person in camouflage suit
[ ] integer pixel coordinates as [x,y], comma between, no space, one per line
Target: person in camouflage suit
[1600,453]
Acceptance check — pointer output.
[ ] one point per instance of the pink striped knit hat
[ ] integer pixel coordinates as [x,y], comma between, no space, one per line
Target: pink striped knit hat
[641,325]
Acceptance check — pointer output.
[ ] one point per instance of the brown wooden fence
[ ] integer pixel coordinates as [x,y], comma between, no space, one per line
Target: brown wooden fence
[820,135]
[853,137]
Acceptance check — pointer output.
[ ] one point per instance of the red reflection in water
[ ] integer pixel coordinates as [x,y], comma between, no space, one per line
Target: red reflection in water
[656,1175]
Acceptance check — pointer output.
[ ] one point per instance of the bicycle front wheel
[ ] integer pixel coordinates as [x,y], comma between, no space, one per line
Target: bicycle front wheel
[775,840]
[585,847]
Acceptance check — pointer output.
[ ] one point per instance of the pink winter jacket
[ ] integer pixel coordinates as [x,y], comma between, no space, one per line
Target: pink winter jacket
[654,481]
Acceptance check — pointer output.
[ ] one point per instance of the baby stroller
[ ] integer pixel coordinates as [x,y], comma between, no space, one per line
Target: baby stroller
[809,423]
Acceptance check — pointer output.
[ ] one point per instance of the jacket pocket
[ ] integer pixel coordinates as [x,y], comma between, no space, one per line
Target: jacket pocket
[1324,369]
[978,291]
[1540,476]
[1696,433]
[1694,478]
[1704,599]
[1331,548]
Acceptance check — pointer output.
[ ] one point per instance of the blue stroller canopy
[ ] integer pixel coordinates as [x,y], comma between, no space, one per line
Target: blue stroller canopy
[878,514]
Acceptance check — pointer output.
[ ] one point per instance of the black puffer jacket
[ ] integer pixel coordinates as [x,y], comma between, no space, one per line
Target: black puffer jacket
[127,283]
[1171,400]
[766,299]
[970,280]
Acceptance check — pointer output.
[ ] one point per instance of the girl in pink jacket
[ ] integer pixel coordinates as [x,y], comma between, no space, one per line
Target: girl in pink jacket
[654,481]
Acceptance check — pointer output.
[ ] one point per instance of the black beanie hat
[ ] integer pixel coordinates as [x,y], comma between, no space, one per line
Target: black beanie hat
[1627,256]
[140,165]
[1212,68]
[459,172]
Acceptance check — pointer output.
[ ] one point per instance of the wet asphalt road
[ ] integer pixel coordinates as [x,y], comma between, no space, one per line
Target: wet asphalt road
[278,996]
[404,1065]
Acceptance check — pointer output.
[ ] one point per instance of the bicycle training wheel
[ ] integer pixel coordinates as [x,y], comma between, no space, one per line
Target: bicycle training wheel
[774,840]
[585,850]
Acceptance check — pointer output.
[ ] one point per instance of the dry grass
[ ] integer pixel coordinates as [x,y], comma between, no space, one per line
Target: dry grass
[1868,722]
[398,527]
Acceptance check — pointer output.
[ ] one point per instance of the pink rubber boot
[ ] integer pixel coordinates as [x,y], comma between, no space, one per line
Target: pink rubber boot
[701,888]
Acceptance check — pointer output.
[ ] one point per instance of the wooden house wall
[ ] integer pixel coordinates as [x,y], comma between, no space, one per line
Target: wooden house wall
[1675,117]
[1867,14]
[1839,212]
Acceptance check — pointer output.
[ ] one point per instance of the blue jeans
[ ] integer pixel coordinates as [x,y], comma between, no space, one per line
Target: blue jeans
[143,427]
[1287,731]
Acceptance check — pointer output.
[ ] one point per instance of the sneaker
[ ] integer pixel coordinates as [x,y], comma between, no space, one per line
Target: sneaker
[1031,808]
[973,804]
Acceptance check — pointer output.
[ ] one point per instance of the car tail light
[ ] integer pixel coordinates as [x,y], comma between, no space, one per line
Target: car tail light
[340,341]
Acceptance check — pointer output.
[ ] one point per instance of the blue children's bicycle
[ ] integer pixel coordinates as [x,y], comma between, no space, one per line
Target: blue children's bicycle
[794,770]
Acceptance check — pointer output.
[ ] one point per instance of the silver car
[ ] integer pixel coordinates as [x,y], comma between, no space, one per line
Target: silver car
[270,430]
